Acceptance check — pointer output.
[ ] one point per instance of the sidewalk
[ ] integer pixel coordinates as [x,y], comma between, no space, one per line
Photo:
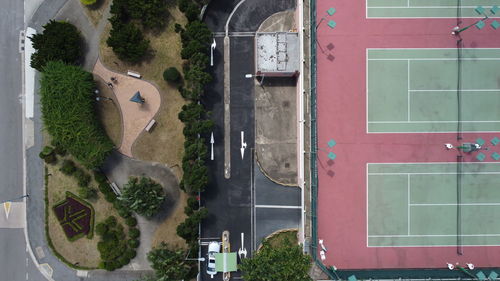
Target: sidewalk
[276,116]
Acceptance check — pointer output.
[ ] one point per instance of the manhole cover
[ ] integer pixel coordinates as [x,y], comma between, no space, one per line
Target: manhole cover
[286,104]
[287,165]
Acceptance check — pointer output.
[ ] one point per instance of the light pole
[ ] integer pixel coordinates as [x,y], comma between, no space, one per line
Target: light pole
[212,48]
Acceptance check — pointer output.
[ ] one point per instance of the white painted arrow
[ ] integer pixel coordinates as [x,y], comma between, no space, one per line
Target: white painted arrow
[212,141]
[243,144]
[242,252]
[6,207]
[212,47]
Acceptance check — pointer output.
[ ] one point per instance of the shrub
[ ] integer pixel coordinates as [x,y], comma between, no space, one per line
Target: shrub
[87,192]
[68,167]
[134,232]
[133,243]
[123,260]
[88,2]
[124,213]
[171,74]
[67,101]
[188,229]
[82,177]
[131,253]
[111,221]
[59,41]
[168,264]
[100,178]
[101,228]
[131,221]
[48,155]
[110,197]
[144,196]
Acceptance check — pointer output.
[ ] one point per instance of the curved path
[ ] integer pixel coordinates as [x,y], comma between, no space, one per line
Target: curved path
[118,168]
[135,117]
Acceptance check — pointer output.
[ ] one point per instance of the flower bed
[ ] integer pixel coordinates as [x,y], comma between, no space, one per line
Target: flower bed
[75,216]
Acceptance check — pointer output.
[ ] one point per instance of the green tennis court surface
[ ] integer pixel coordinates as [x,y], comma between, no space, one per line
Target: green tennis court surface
[417,204]
[426,8]
[415,90]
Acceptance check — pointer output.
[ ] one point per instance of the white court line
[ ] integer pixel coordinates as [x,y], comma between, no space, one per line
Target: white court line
[408,92]
[432,59]
[430,163]
[409,220]
[278,207]
[430,173]
[461,90]
[423,122]
[427,7]
[432,235]
[453,204]
[432,246]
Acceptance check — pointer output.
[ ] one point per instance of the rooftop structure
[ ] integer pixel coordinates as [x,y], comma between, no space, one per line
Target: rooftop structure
[277,54]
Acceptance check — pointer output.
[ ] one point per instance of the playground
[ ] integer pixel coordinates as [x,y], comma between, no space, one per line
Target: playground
[399,105]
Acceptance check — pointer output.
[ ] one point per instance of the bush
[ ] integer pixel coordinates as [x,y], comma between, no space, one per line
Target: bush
[82,177]
[134,232]
[171,74]
[101,228]
[188,229]
[131,253]
[144,196]
[59,41]
[87,192]
[100,178]
[131,221]
[88,2]
[48,155]
[68,167]
[111,221]
[67,101]
[133,243]
[124,213]
[123,260]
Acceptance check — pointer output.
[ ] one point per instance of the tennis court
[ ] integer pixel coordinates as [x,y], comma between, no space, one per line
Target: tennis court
[424,205]
[426,8]
[415,90]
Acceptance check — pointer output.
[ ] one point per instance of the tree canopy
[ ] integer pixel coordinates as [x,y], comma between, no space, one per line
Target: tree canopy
[285,262]
[168,264]
[68,114]
[144,196]
[59,41]
[127,42]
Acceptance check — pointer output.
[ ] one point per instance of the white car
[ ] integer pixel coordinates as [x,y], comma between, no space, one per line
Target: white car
[213,248]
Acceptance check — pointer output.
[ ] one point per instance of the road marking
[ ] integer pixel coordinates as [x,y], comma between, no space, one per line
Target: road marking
[6,207]
[278,207]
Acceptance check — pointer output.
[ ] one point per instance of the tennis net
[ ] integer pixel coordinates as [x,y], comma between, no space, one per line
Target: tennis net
[459,73]
[459,205]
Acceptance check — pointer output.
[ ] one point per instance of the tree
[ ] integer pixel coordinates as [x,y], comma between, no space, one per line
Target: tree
[152,13]
[59,41]
[169,264]
[143,195]
[171,74]
[285,262]
[127,42]
[68,113]
[188,229]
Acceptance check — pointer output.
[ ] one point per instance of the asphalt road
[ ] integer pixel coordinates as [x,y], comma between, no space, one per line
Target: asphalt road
[231,202]
[15,263]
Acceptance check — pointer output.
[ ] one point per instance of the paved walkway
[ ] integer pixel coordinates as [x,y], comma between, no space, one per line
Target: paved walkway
[118,168]
[276,100]
[135,117]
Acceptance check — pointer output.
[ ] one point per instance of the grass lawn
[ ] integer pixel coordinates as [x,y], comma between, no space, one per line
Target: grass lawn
[276,239]
[82,251]
[167,231]
[165,143]
[108,112]
[94,12]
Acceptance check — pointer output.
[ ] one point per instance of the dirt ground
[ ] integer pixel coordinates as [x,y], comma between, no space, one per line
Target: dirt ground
[167,231]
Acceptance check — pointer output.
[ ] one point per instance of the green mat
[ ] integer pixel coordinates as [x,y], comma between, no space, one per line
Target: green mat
[332,24]
[480,156]
[480,141]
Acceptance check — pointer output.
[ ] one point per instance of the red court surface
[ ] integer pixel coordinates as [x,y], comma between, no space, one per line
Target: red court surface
[341,105]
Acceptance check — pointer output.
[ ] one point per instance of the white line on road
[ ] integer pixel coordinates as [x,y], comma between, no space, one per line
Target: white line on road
[278,207]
